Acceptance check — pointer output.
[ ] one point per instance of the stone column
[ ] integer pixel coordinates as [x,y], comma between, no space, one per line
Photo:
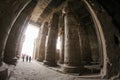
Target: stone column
[44,31]
[61,55]
[72,53]
[34,49]
[50,52]
[20,45]
[38,44]
[37,49]
[85,45]
[10,49]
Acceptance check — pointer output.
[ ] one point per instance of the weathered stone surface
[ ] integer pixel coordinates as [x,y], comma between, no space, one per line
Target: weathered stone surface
[3,71]
[90,34]
[10,10]
[50,52]
[9,19]
[61,54]
[89,43]
[10,49]
[108,34]
[72,55]
[61,32]
[44,32]
[37,71]
[41,5]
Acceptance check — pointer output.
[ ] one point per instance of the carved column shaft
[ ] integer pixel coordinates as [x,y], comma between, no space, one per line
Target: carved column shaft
[61,25]
[44,31]
[51,41]
[72,55]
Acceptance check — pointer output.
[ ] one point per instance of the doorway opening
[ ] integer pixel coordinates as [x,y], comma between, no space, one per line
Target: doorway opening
[58,43]
[31,35]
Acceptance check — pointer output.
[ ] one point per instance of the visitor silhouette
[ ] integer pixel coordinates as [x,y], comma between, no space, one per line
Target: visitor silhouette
[23,57]
[29,58]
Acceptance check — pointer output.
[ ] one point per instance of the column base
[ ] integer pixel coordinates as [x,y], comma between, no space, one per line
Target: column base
[49,63]
[72,69]
[3,72]
[61,62]
[12,61]
[40,60]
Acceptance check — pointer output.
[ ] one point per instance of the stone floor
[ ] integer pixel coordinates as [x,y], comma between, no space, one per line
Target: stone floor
[36,71]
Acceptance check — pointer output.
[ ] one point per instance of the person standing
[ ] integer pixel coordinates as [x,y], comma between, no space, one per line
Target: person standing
[27,58]
[23,57]
[30,58]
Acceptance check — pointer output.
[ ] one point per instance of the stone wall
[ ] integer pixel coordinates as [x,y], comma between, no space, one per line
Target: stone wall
[10,11]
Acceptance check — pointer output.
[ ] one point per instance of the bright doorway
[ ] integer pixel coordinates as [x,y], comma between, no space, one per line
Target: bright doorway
[31,35]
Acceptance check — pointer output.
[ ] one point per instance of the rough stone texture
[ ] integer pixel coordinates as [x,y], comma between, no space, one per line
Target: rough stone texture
[37,71]
[21,37]
[61,32]
[9,19]
[113,9]
[72,55]
[37,47]
[10,70]
[49,10]
[51,41]
[44,32]
[111,56]
[20,45]
[10,10]
[89,45]
[41,5]
[10,49]
[3,71]
[107,41]
[61,54]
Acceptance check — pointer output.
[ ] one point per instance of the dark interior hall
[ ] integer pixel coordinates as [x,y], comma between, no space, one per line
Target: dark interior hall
[88,31]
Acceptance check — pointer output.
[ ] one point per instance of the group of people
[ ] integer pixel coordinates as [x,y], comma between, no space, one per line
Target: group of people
[26,57]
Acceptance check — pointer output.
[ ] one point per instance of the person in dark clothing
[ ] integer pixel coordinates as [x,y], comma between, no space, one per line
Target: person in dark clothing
[23,57]
[29,58]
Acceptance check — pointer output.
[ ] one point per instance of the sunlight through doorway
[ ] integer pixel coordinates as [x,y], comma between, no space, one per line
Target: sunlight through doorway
[31,35]
[58,44]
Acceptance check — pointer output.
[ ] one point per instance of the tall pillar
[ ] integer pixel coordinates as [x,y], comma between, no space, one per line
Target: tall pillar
[38,44]
[20,44]
[37,48]
[44,31]
[61,55]
[34,49]
[72,55]
[10,49]
[50,52]
[85,45]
